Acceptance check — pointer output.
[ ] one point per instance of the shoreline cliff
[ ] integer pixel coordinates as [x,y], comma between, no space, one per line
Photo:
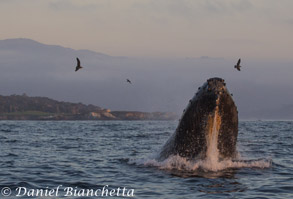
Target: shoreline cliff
[23,107]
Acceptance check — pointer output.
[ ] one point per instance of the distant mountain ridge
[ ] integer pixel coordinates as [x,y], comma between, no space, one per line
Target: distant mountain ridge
[159,84]
[23,107]
[29,44]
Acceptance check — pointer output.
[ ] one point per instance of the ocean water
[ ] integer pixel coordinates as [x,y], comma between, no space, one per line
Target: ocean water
[115,159]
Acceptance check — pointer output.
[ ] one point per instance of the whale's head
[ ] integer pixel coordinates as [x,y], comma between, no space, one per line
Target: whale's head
[212,90]
[210,116]
[219,116]
[212,96]
[215,85]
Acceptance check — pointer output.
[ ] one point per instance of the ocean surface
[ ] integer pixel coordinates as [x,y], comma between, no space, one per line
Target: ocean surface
[115,159]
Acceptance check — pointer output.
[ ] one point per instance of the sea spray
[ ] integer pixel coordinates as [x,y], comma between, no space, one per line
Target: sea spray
[183,164]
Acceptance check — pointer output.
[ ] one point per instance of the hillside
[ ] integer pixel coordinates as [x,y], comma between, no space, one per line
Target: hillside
[159,84]
[23,107]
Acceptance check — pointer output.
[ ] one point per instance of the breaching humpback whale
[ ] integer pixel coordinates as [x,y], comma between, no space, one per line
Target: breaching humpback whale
[211,117]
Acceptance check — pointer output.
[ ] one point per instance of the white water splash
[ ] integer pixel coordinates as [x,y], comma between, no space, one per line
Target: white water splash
[180,163]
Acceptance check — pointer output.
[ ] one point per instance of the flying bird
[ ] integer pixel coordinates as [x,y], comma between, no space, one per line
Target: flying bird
[128,81]
[238,65]
[78,65]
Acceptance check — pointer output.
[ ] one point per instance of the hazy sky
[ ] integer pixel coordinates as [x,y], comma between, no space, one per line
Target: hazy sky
[254,29]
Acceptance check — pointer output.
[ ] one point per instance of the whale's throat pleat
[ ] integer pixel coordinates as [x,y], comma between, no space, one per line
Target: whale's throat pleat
[212,152]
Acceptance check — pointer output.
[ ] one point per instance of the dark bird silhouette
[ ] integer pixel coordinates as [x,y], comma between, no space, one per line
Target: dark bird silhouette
[78,65]
[128,81]
[238,65]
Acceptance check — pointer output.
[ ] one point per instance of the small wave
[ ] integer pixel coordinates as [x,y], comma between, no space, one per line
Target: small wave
[11,141]
[184,164]
[6,130]
[11,155]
